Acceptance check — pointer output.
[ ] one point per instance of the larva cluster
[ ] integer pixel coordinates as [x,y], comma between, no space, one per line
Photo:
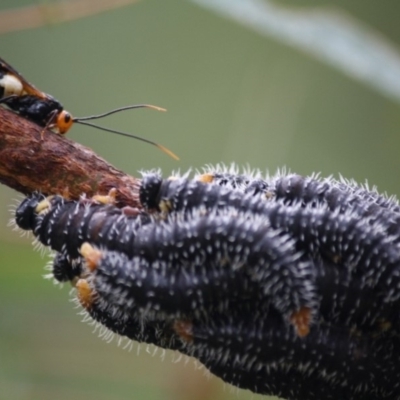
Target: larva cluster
[184,266]
[282,285]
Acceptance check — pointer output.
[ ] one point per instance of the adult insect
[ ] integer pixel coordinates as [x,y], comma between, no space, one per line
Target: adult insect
[25,99]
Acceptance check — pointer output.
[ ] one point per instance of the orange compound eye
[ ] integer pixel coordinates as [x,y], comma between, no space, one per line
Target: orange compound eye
[64,121]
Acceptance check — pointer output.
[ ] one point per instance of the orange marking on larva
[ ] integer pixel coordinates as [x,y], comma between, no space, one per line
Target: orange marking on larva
[91,255]
[85,293]
[301,320]
[184,329]
[269,195]
[44,205]
[206,178]
[165,206]
[106,199]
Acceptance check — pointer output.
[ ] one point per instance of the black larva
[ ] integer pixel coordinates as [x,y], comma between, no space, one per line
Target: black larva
[64,225]
[181,194]
[308,191]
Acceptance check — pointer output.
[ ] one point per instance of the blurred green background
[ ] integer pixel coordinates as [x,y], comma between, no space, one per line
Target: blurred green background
[232,96]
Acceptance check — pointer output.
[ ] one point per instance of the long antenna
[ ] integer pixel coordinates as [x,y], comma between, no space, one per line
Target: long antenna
[162,148]
[106,114]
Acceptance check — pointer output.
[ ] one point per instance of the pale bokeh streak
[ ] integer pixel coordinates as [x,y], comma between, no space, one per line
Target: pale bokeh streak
[331,36]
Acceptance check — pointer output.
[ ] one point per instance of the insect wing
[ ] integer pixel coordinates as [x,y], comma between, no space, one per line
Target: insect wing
[27,87]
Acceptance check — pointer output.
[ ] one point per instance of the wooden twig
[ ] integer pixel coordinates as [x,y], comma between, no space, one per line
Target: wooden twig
[55,164]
